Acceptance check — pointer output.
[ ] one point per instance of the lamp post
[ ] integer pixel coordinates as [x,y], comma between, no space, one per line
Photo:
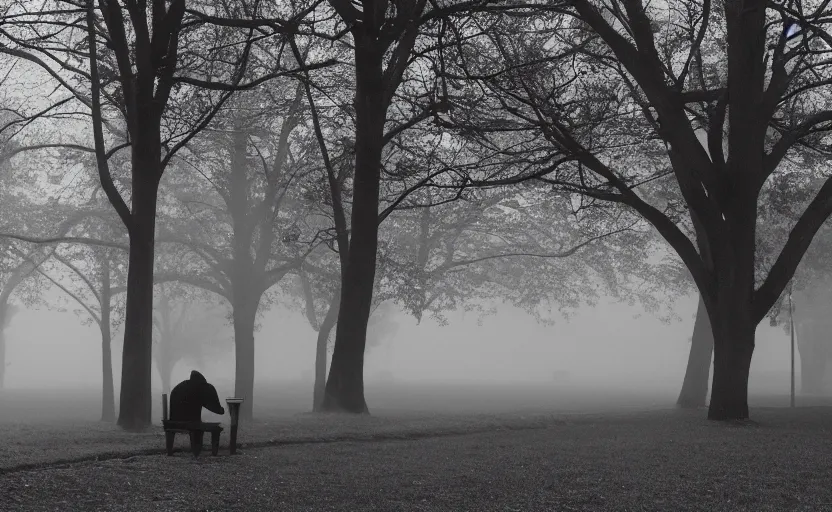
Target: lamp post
[234,411]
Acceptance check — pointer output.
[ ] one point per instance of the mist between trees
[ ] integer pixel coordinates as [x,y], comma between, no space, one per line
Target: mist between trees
[178,169]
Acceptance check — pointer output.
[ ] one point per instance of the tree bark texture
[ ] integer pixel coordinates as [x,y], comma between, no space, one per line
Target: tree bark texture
[730,305]
[734,333]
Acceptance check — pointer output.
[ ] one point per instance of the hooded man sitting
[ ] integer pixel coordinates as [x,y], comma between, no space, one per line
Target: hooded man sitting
[189,397]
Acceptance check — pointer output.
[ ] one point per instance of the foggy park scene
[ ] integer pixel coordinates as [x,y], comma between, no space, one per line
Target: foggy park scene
[434,255]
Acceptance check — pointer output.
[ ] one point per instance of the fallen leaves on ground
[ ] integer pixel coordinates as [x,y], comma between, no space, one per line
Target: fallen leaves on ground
[660,460]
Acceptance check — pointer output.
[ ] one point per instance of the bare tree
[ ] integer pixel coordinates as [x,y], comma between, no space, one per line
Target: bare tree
[668,96]
[187,328]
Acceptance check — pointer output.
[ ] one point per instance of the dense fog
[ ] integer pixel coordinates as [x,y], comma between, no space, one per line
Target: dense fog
[561,233]
[299,183]
[610,348]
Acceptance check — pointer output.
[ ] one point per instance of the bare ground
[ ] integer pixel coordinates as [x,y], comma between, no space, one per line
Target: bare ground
[657,460]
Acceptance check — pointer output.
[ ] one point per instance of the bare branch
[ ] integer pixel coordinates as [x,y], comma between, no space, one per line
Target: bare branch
[220,86]
[66,240]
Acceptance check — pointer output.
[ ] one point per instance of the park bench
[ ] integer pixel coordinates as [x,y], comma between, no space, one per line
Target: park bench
[194,429]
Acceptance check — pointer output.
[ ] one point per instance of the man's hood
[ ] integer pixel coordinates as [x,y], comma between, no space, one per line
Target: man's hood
[197,377]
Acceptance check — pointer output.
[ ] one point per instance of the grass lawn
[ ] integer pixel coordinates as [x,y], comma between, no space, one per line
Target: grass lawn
[657,460]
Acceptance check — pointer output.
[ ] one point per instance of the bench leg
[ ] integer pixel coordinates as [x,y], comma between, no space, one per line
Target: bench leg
[169,441]
[215,442]
[196,442]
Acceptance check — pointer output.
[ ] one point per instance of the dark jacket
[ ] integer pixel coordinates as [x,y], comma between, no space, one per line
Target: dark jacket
[189,397]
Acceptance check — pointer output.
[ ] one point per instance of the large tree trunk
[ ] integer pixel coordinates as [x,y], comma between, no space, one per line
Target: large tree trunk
[135,401]
[734,332]
[345,386]
[695,386]
[108,406]
[729,299]
[244,316]
[320,353]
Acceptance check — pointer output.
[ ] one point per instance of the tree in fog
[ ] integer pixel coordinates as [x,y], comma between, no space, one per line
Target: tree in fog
[17,262]
[320,299]
[8,310]
[22,123]
[142,83]
[315,291]
[783,199]
[187,327]
[93,275]
[387,40]
[812,296]
[532,250]
[409,33]
[145,89]
[812,325]
[316,294]
[28,222]
[486,248]
[87,274]
[241,178]
[675,280]
[133,70]
[651,90]
[810,287]
[94,278]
